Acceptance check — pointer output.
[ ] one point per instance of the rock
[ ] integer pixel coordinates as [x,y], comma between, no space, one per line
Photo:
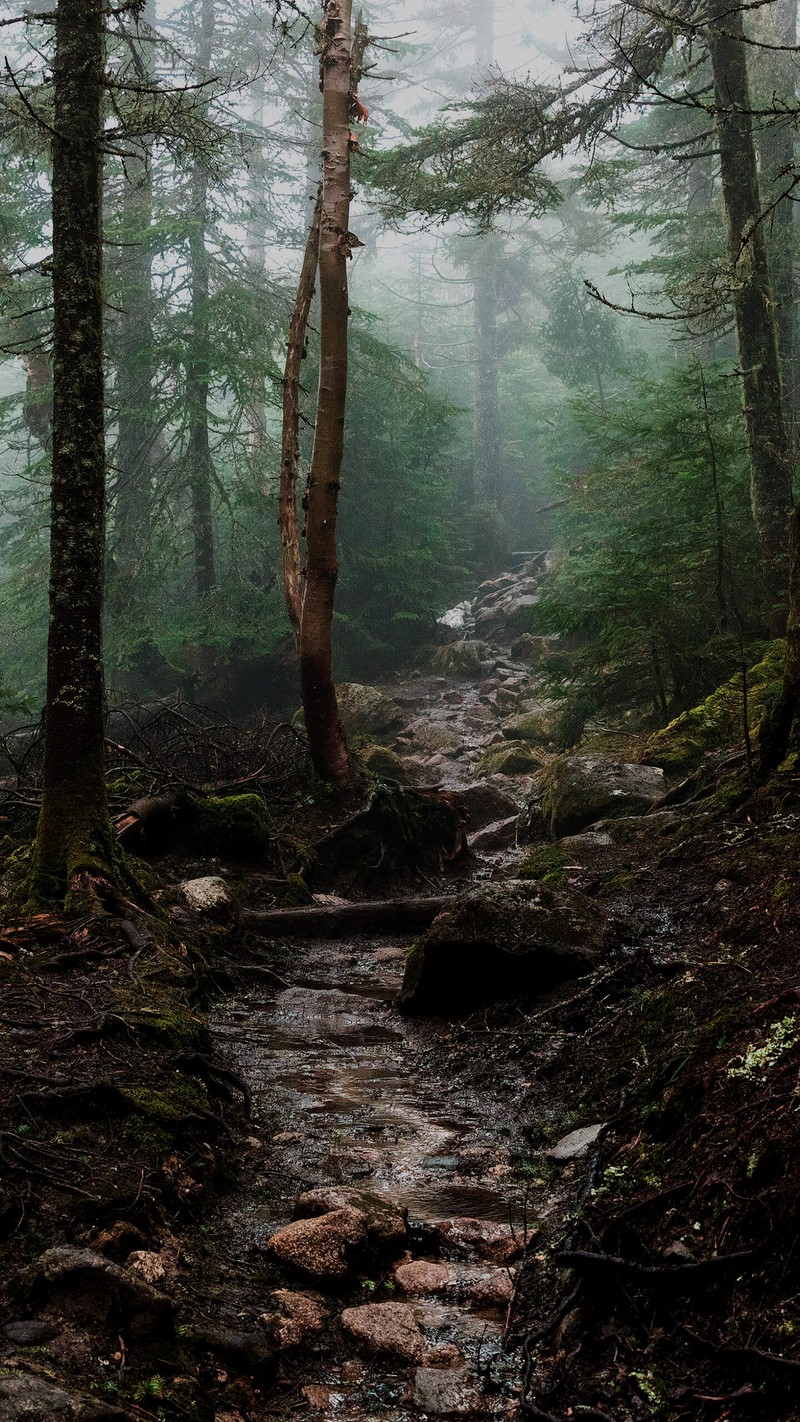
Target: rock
[119,1239]
[461,658]
[29,1332]
[387,1224]
[492,1289]
[367,712]
[26,1397]
[384,764]
[576,1143]
[147,1264]
[536,726]
[249,1351]
[446,1355]
[518,936]
[509,758]
[500,835]
[447,1392]
[432,737]
[297,1318]
[458,617]
[422,1276]
[479,1239]
[530,649]
[385,1331]
[579,790]
[317,1396]
[485,804]
[90,1286]
[325,1247]
[209,896]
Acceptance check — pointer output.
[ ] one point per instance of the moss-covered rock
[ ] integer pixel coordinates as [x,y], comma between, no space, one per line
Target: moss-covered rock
[501,939]
[717,723]
[367,714]
[545,862]
[231,826]
[580,789]
[509,758]
[383,763]
[537,726]
[460,659]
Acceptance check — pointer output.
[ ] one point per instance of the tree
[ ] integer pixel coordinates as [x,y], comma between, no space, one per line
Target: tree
[74,835]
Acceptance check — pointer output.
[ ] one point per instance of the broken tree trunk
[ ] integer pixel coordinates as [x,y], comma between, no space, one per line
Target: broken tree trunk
[334,920]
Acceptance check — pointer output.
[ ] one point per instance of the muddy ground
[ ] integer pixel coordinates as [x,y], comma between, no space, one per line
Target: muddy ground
[173,1083]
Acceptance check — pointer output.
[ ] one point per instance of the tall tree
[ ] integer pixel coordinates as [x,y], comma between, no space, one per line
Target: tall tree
[325,735]
[74,834]
[752,303]
[199,463]
[487,447]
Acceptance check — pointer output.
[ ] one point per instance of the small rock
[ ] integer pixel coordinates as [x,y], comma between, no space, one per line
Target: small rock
[287,1137]
[87,1284]
[299,1317]
[249,1351]
[119,1239]
[385,1331]
[492,1289]
[500,835]
[447,1392]
[317,1397]
[481,1239]
[29,1332]
[208,895]
[446,1355]
[422,1276]
[387,1227]
[26,1397]
[324,1247]
[678,1250]
[575,1144]
[147,1264]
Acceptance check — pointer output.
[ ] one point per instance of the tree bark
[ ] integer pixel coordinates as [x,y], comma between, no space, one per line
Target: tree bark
[753,306]
[290,436]
[134,357]
[198,450]
[74,832]
[320,710]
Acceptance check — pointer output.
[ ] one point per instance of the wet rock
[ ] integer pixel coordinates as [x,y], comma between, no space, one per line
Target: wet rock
[500,835]
[387,1224]
[92,1287]
[119,1239]
[461,658]
[479,1239]
[29,1332]
[519,936]
[576,1144]
[366,711]
[582,789]
[325,1247]
[208,896]
[148,1265]
[509,758]
[485,804]
[297,1318]
[537,726]
[492,1288]
[317,1396]
[531,649]
[457,617]
[26,1397]
[433,737]
[422,1276]
[385,1331]
[446,1355]
[447,1392]
[249,1351]
[383,763]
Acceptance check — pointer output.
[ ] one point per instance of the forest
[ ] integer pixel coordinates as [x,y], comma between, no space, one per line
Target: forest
[399,711]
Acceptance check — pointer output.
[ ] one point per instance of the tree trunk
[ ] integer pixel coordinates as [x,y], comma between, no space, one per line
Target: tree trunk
[753,307]
[74,832]
[198,451]
[137,429]
[325,735]
[774,86]
[290,438]
[256,249]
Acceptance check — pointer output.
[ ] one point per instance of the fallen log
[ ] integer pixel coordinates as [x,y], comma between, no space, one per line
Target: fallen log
[336,920]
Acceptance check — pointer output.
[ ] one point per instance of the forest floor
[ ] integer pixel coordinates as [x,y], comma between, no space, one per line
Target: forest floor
[176,1087]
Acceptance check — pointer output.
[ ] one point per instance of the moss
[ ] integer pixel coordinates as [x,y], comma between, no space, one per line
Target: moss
[510,758]
[383,764]
[620,882]
[169,1105]
[716,723]
[232,825]
[546,862]
[460,659]
[174,1027]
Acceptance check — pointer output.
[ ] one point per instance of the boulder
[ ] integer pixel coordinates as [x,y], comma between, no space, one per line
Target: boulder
[485,804]
[509,758]
[422,1276]
[297,1317]
[530,649]
[579,790]
[467,1238]
[432,736]
[448,1392]
[387,1330]
[536,725]
[387,1224]
[325,1247]
[383,763]
[465,659]
[26,1397]
[90,1287]
[576,1144]
[208,896]
[500,835]
[517,936]
[366,712]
